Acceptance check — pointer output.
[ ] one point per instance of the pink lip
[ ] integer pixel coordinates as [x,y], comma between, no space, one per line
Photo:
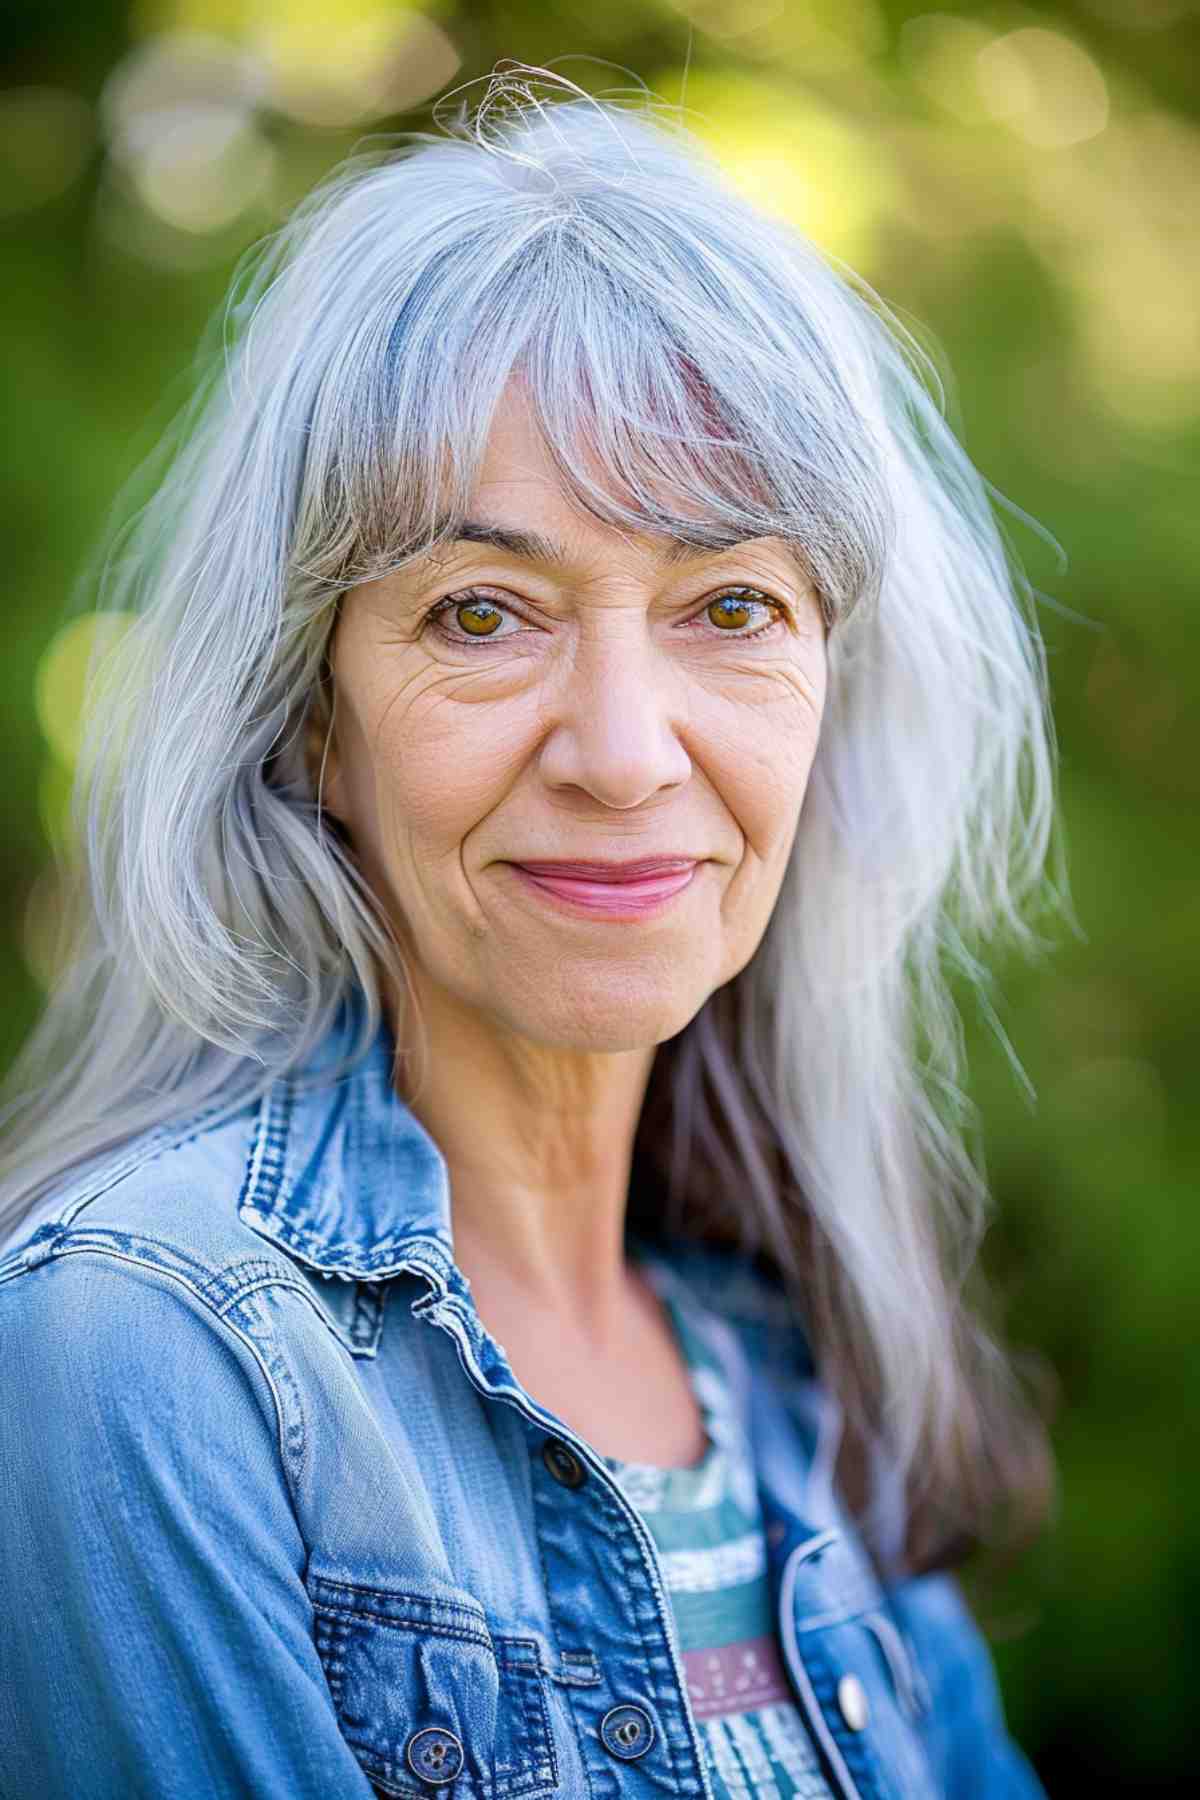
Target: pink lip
[622,891]
[611,871]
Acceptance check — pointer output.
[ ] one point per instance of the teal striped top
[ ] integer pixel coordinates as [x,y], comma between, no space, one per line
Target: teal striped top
[707,1526]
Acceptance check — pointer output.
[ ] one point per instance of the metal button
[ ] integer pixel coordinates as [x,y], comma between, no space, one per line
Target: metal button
[627,1731]
[852,1698]
[434,1755]
[563,1463]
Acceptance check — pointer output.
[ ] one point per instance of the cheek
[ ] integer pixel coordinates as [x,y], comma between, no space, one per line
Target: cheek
[441,766]
[758,754]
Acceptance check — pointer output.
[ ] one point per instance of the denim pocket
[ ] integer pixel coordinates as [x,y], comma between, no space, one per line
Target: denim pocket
[429,1696]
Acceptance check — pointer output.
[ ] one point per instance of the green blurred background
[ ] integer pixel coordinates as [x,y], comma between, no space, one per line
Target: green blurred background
[1021,185]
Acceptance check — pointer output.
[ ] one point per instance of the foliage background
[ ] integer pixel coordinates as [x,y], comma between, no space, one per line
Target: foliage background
[1020,184]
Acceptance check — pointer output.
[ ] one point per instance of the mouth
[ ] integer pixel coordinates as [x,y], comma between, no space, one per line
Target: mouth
[610,890]
[611,871]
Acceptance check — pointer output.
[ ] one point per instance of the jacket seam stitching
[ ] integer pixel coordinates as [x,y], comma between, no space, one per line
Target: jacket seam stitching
[159,1140]
[278,1273]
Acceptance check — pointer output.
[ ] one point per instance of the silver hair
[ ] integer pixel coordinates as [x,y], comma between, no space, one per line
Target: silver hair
[676,342]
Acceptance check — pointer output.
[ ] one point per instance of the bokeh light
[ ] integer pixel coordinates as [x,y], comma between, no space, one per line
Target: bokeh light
[941,52]
[76,653]
[382,59]
[822,37]
[795,155]
[1043,86]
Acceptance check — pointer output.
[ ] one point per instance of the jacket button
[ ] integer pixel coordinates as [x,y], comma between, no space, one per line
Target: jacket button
[852,1698]
[563,1463]
[434,1755]
[626,1732]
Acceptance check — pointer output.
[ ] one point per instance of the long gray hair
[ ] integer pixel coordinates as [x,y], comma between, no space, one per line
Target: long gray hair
[675,341]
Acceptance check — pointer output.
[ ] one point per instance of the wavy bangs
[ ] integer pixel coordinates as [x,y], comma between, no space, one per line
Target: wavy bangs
[673,354]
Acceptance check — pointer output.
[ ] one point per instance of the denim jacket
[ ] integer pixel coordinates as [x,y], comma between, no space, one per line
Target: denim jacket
[278,1519]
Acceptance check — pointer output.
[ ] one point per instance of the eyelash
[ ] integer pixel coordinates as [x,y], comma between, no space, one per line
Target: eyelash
[465,595]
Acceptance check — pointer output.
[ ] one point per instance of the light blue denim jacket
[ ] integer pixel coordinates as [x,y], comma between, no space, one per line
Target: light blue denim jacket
[278,1520]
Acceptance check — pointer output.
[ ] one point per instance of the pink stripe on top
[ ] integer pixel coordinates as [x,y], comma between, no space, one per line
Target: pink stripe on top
[732,1677]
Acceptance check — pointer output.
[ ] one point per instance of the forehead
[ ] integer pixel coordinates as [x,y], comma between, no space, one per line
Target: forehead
[519,506]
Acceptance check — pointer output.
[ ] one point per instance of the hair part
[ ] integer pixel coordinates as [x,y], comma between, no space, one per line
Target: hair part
[697,368]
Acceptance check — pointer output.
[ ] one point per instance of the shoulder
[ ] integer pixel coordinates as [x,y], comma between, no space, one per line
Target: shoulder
[958,1690]
[153,1486]
[119,1350]
[141,1262]
[125,1282]
[135,1416]
[169,1349]
[168,1202]
[175,1182]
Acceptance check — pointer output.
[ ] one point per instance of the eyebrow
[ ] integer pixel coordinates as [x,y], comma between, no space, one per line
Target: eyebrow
[532,546]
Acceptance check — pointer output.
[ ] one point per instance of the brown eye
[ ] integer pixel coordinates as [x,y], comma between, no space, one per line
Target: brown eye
[736,609]
[471,615]
[730,612]
[479,618]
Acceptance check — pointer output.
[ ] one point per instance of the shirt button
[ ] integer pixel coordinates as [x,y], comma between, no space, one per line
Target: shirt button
[852,1698]
[434,1755]
[626,1732]
[563,1463]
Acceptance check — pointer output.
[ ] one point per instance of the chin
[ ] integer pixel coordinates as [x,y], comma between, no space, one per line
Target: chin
[606,1017]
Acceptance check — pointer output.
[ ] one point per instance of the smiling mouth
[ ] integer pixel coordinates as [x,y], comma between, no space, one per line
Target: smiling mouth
[609,871]
[616,890]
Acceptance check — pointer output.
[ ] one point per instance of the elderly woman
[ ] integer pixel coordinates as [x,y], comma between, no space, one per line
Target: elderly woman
[486,1231]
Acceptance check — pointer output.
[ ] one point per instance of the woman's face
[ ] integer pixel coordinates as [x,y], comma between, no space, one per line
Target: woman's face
[601,700]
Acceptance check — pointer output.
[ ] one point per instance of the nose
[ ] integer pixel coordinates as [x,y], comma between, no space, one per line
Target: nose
[616,719]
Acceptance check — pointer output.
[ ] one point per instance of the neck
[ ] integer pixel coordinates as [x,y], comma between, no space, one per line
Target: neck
[538,1143]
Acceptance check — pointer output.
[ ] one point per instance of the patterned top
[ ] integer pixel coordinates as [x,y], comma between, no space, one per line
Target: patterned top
[706,1523]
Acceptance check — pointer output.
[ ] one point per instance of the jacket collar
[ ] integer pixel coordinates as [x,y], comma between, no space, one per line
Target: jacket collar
[340,1173]
[342,1176]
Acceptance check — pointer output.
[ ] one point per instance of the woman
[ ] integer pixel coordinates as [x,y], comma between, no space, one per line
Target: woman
[486,1236]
